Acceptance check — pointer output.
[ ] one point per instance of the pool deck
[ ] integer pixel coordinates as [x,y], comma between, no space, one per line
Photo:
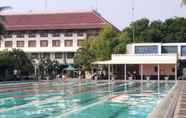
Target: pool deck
[180,111]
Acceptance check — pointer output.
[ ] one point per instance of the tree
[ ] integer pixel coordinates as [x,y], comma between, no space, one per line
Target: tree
[183,2]
[48,68]
[2,19]
[14,64]
[171,30]
[96,48]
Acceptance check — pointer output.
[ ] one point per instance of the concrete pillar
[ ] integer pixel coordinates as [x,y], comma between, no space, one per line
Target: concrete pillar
[125,73]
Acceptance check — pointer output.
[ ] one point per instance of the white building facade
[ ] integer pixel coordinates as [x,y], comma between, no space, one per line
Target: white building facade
[158,49]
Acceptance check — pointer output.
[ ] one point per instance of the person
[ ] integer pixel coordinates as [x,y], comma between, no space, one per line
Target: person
[94,76]
[79,75]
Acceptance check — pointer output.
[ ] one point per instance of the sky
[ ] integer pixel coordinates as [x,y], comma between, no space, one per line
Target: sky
[118,12]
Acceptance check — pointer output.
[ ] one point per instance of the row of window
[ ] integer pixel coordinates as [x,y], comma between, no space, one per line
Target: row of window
[57,55]
[42,34]
[43,43]
[164,50]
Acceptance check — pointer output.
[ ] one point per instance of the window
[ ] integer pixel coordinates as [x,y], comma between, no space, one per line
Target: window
[146,49]
[56,34]
[70,55]
[8,35]
[32,43]
[80,34]
[55,43]
[44,43]
[19,35]
[183,50]
[68,34]
[8,44]
[43,34]
[58,55]
[31,35]
[34,55]
[46,55]
[20,44]
[68,43]
[92,33]
[169,49]
[79,42]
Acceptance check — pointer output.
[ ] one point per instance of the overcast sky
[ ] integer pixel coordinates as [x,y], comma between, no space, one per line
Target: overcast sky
[119,12]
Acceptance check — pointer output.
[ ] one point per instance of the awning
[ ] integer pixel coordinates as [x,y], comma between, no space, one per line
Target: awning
[140,59]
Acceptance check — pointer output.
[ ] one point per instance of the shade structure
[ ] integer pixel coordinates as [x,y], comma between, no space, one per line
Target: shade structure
[140,59]
[70,68]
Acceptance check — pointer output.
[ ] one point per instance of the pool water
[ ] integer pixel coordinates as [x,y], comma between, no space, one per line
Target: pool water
[85,99]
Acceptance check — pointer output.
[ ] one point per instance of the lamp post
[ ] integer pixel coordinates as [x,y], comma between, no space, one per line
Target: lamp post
[36,63]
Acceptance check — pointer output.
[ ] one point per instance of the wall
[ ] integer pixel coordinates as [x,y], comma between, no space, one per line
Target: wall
[164,69]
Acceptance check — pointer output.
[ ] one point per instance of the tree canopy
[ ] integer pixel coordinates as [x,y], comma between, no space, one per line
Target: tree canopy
[14,62]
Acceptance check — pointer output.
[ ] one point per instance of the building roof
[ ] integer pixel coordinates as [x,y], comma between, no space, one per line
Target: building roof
[54,21]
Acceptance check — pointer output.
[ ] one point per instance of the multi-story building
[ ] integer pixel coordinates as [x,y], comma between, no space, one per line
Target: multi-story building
[55,35]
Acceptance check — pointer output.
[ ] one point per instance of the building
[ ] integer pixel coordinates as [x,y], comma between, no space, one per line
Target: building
[54,35]
[150,61]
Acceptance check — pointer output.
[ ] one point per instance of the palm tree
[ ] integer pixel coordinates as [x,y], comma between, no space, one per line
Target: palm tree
[2,18]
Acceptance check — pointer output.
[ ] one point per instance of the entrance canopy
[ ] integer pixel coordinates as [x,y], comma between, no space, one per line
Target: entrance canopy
[140,59]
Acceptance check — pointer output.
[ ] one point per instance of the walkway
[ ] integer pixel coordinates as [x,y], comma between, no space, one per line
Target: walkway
[180,111]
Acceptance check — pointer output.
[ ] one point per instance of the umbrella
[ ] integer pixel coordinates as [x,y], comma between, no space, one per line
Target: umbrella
[70,68]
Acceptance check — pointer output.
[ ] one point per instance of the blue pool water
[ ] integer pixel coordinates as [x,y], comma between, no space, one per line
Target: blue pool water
[74,99]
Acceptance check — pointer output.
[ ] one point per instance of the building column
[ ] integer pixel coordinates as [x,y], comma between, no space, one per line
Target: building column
[175,72]
[109,73]
[112,70]
[141,72]
[158,78]
[141,69]
[125,72]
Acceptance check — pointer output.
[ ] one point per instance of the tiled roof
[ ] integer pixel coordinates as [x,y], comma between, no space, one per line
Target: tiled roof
[54,21]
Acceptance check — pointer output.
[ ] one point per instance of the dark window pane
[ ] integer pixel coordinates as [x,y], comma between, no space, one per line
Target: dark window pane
[58,55]
[56,34]
[68,34]
[46,55]
[70,55]
[20,44]
[68,43]
[169,49]
[44,43]
[8,44]
[183,51]
[31,35]
[79,42]
[55,43]
[20,35]
[146,49]
[8,35]
[32,43]
[80,34]
[43,34]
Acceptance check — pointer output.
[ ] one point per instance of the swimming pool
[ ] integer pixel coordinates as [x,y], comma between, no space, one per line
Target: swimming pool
[85,99]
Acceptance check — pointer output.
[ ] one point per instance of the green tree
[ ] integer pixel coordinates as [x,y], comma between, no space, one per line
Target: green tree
[171,30]
[14,64]
[2,19]
[183,2]
[96,48]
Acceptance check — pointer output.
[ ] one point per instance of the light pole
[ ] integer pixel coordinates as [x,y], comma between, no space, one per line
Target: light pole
[36,62]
